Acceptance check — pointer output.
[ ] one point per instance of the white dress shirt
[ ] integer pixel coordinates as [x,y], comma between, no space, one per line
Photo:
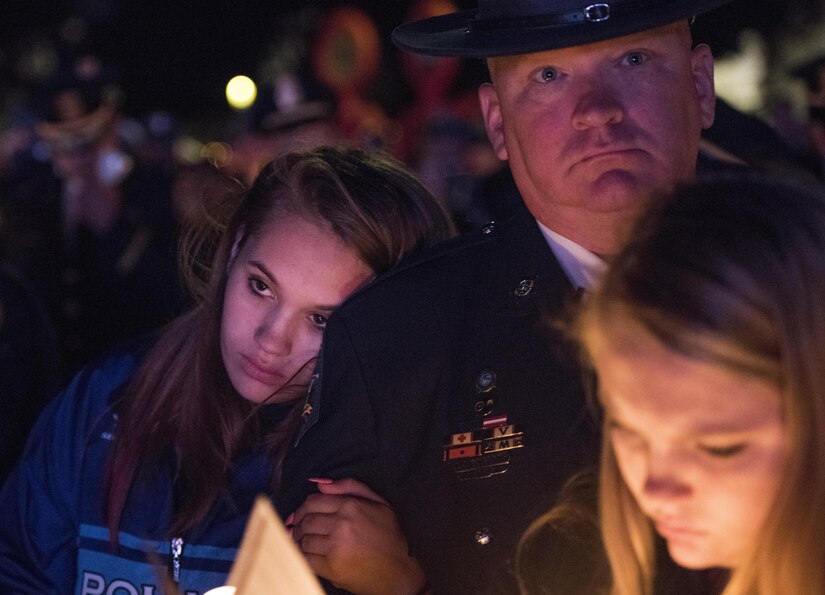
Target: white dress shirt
[582,267]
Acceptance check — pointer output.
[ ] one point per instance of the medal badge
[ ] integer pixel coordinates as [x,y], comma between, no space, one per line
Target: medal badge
[483,452]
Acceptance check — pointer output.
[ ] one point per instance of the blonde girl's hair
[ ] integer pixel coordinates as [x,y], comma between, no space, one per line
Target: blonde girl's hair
[561,552]
[730,270]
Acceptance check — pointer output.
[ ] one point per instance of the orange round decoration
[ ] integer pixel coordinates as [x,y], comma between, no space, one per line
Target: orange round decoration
[347,50]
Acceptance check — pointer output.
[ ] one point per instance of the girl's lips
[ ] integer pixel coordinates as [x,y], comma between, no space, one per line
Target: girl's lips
[261,374]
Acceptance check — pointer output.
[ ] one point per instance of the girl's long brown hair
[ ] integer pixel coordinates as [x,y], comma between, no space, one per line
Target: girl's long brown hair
[180,409]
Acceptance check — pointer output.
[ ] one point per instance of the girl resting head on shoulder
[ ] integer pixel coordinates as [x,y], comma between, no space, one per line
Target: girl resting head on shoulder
[150,460]
[708,339]
[313,228]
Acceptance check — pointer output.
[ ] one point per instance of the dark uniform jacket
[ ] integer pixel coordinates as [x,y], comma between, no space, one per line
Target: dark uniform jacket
[448,388]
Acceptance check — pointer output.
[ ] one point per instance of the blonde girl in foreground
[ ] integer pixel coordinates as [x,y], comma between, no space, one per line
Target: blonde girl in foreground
[708,340]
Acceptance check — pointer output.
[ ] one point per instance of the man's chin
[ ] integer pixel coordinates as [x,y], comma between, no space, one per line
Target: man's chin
[619,189]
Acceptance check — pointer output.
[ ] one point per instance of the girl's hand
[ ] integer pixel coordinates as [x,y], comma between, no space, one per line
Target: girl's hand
[351,537]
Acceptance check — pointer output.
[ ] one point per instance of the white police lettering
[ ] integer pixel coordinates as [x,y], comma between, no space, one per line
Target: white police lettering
[95,584]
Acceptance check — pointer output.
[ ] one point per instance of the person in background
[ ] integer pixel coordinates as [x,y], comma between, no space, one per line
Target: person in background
[151,458]
[462,408]
[707,336]
[812,72]
[755,144]
[91,228]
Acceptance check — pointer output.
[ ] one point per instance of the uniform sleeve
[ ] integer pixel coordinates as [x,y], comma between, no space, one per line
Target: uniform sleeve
[39,501]
[340,441]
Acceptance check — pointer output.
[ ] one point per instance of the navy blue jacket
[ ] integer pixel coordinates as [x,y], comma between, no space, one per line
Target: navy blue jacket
[52,535]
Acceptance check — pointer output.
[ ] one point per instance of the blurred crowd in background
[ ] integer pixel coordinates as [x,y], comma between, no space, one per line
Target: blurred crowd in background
[96,186]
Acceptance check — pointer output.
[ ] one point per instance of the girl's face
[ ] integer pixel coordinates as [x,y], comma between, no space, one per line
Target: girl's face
[700,447]
[281,288]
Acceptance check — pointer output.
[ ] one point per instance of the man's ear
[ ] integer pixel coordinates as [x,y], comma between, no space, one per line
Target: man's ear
[702,64]
[491,111]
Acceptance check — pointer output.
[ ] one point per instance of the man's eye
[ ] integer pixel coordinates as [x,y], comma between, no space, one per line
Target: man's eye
[548,74]
[635,58]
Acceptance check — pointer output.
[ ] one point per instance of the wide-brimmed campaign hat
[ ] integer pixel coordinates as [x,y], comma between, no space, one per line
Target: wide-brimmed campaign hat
[509,27]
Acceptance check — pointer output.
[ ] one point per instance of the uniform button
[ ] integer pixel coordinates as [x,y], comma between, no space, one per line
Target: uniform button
[483,536]
[484,407]
[487,228]
[524,287]
[485,381]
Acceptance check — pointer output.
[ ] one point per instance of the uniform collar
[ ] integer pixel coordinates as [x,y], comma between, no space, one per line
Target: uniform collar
[582,267]
[526,269]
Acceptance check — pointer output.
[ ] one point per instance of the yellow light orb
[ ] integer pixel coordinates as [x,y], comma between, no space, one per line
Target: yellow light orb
[241,92]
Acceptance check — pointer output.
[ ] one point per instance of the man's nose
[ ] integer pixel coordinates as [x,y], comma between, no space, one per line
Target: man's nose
[599,104]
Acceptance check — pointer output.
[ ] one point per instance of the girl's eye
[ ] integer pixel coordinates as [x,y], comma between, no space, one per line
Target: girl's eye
[635,59]
[319,321]
[724,451]
[548,75]
[258,286]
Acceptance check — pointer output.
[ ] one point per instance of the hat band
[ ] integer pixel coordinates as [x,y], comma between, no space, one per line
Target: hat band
[593,13]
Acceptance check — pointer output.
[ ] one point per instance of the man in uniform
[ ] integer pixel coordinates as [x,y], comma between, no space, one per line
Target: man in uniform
[448,386]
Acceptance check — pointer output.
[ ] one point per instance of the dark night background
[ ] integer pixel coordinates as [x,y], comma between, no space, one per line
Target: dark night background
[178,54]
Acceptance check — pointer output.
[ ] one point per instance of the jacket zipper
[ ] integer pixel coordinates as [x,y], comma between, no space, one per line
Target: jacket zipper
[177,550]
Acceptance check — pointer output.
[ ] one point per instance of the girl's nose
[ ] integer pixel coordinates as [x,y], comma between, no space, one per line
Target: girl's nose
[665,487]
[273,334]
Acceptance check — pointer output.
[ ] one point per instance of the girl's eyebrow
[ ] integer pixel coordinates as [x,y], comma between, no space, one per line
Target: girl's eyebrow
[264,270]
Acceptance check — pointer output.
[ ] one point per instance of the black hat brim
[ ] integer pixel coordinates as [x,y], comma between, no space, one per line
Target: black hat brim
[454,34]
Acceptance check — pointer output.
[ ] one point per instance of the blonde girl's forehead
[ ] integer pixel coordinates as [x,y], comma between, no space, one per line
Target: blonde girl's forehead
[672,394]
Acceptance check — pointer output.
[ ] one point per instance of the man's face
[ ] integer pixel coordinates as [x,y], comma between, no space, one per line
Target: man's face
[590,130]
